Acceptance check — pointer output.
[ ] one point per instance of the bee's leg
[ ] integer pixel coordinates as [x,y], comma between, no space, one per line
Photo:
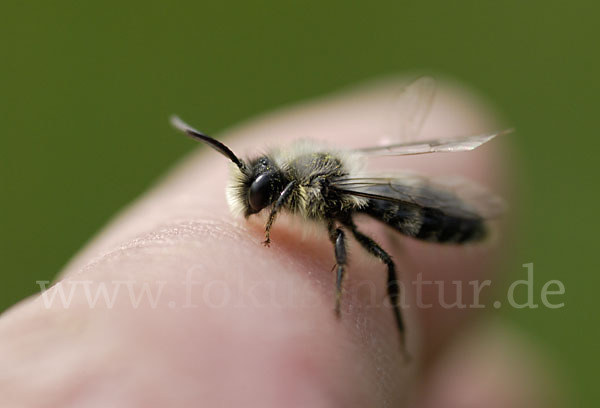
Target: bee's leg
[283,197]
[393,288]
[338,238]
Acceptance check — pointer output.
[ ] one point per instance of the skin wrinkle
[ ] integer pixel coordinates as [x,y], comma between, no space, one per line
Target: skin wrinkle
[166,235]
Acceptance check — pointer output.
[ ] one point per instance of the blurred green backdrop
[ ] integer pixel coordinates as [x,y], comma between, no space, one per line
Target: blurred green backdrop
[86,88]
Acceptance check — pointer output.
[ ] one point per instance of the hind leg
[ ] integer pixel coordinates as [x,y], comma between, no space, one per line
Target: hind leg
[393,289]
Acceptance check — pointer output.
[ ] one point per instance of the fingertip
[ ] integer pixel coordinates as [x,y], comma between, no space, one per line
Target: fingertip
[186,219]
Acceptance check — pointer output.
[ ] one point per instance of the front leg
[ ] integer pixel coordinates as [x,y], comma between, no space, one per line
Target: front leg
[281,201]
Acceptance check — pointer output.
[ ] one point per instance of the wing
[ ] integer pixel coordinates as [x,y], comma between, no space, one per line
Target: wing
[411,108]
[452,196]
[459,144]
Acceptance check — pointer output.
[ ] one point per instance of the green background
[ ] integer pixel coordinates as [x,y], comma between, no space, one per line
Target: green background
[86,87]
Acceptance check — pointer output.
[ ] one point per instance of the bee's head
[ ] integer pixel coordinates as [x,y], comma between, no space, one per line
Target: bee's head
[253,186]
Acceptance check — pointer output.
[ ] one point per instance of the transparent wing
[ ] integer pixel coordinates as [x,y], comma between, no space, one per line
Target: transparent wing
[454,196]
[410,109]
[459,144]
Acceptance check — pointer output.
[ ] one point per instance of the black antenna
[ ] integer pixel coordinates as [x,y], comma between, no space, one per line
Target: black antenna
[214,143]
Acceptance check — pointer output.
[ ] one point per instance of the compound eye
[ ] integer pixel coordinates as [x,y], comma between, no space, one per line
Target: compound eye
[260,192]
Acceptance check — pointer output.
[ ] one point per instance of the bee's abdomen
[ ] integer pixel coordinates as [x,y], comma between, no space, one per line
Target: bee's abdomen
[427,223]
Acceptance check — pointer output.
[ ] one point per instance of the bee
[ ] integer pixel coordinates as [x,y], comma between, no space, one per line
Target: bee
[328,186]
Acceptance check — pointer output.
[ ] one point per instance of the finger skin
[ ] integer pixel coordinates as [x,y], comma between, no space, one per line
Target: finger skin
[256,327]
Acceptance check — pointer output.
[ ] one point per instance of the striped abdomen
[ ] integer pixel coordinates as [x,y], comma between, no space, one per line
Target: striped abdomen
[427,223]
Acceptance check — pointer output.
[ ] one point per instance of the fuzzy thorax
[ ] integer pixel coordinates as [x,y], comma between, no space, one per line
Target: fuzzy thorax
[312,167]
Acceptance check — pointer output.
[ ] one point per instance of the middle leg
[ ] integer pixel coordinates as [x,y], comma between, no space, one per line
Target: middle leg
[338,238]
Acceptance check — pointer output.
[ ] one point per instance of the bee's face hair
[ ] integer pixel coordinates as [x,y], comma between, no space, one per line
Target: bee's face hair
[254,186]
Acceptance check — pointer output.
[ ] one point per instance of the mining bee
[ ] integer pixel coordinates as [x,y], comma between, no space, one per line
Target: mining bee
[328,186]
